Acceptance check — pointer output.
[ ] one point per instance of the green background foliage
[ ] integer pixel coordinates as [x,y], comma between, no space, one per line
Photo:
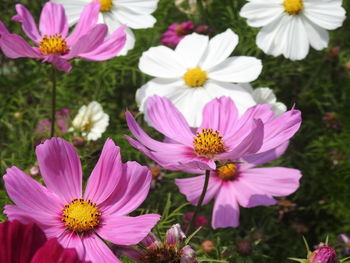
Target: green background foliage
[317,85]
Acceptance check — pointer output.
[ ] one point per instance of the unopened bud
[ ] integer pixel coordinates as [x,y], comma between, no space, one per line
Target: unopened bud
[243,248]
[34,171]
[78,141]
[207,246]
[324,254]
[17,115]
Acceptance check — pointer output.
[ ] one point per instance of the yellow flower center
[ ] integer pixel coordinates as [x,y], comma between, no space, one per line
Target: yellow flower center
[195,77]
[227,172]
[293,7]
[106,5]
[179,30]
[80,215]
[87,126]
[208,143]
[53,45]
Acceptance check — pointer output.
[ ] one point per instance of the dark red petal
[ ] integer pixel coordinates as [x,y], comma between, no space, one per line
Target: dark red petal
[19,242]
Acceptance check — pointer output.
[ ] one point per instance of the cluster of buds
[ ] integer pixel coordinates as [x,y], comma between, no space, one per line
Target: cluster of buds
[153,250]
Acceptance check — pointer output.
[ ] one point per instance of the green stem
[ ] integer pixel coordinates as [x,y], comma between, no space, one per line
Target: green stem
[200,201]
[53,102]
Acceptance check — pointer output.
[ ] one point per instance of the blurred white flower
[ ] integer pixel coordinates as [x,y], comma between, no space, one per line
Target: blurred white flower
[134,14]
[289,27]
[91,121]
[196,72]
[190,6]
[266,96]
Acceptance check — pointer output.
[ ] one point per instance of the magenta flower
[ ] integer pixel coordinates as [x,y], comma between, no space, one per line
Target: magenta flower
[28,244]
[200,220]
[53,44]
[153,250]
[176,32]
[324,254]
[62,121]
[222,137]
[79,220]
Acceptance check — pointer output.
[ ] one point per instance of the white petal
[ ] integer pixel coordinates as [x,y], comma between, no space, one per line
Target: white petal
[111,21]
[261,13]
[72,9]
[138,6]
[220,47]
[327,14]
[318,37]
[264,95]
[161,62]
[297,40]
[237,69]
[133,20]
[191,49]
[278,108]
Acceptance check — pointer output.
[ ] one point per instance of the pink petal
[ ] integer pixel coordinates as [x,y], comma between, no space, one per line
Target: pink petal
[53,20]
[192,188]
[226,209]
[14,46]
[53,252]
[274,181]
[69,239]
[266,157]
[87,21]
[251,143]
[133,253]
[88,42]
[281,129]
[19,242]
[59,62]
[126,230]
[60,168]
[248,195]
[28,24]
[167,119]
[220,114]
[130,191]
[97,251]
[3,29]
[106,175]
[29,194]
[109,48]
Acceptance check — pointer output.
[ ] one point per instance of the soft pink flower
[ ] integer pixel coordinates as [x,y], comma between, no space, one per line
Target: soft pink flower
[156,251]
[78,220]
[53,44]
[62,121]
[222,137]
[26,243]
[176,32]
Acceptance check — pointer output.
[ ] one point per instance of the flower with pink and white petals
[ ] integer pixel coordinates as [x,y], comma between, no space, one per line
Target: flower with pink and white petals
[26,243]
[223,135]
[54,45]
[176,32]
[79,220]
[153,250]
[134,14]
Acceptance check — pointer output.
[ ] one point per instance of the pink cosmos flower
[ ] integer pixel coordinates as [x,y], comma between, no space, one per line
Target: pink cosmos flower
[156,251]
[176,32]
[62,121]
[223,136]
[53,44]
[20,243]
[200,220]
[80,220]
[241,183]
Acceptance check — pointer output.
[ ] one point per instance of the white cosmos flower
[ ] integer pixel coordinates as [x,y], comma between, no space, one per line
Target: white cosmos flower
[134,14]
[91,121]
[266,96]
[289,27]
[197,71]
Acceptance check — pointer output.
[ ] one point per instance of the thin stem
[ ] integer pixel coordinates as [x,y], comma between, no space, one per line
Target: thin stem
[53,102]
[200,201]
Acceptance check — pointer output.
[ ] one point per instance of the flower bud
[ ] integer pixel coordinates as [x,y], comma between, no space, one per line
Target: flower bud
[175,235]
[207,246]
[323,254]
[34,171]
[188,255]
[78,141]
[244,248]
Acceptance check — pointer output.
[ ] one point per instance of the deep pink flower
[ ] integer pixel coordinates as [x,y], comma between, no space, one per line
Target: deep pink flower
[26,243]
[200,220]
[53,44]
[176,32]
[324,254]
[222,137]
[78,220]
[154,250]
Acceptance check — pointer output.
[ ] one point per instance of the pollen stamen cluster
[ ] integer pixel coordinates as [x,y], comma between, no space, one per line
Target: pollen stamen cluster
[53,45]
[208,143]
[106,5]
[195,77]
[162,253]
[227,172]
[80,215]
[293,7]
